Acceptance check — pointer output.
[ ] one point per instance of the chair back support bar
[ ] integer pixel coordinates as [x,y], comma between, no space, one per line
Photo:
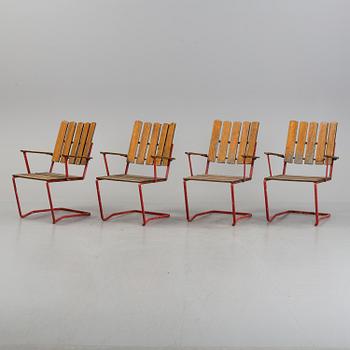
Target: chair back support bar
[149,140]
[75,141]
[310,143]
[233,142]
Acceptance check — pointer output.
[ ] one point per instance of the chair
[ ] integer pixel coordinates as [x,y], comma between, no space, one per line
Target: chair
[73,147]
[231,143]
[307,143]
[151,144]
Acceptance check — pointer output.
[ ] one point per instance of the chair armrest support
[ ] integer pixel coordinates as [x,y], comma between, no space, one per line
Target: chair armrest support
[252,157]
[189,154]
[25,151]
[163,157]
[79,157]
[36,152]
[104,154]
[268,154]
[196,154]
[115,154]
[274,154]
[332,157]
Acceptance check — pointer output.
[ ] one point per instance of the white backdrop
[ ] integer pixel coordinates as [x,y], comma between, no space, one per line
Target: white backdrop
[183,61]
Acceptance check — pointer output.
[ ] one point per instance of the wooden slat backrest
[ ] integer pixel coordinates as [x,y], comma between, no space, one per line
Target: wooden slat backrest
[153,143]
[292,136]
[88,144]
[236,131]
[150,140]
[143,143]
[309,143]
[243,142]
[168,143]
[73,140]
[225,136]
[252,139]
[233,142]
[215,135]
[299,151]
[134,141]
[331,141]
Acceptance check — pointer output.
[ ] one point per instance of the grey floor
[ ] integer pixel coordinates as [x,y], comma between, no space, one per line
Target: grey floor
[84,284]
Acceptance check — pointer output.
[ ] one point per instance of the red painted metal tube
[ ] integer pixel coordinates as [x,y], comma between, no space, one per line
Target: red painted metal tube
[235,215]
[318,215]
[143,212]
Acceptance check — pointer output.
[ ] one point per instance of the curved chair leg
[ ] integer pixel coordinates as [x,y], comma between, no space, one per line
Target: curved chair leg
[233,204]
[143,212]
[318,216]
[51,209]
[235,215]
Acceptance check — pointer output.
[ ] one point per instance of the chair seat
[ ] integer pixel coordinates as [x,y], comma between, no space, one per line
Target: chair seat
[297,178]
[131,178]
[48,177]
[216,178]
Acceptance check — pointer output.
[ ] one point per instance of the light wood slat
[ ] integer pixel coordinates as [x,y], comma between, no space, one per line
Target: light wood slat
[153,143]
[74,149]
[88,143]
[243,142]
[299,151]
[311,143]
[292,136]
[143,143]
[236,129]
[321,143]
[215,178]
[253,135]
[225,136]
[214,140]
[82,142]
[297,178]
[168,143]
[59,142]
[131,178]
[68,140]
[134,141]
[48,176]
[161,143]
[331,141]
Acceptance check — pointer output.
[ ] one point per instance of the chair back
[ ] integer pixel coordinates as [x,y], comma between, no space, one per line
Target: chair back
[310,143]
[151,139]
[233,142]
[74,140]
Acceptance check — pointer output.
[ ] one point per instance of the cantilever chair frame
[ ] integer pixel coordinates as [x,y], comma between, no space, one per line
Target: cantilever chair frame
[154,160]
[321,159]
[245,159]
[58,156]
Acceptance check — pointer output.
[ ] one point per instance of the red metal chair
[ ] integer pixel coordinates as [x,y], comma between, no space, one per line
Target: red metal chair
[149,145]
[302,143]
[236,145]
[73,146]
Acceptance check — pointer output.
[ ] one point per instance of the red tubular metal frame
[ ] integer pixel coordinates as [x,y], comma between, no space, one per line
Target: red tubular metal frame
[52,209]
[236,216]
[318,215]
[142,211]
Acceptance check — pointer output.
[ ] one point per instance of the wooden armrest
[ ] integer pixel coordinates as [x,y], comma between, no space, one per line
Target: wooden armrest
[37,152]
[332,157]
[255,157]
[163,157]
[274,154]
[196,154]
[79,157]
[115,154]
